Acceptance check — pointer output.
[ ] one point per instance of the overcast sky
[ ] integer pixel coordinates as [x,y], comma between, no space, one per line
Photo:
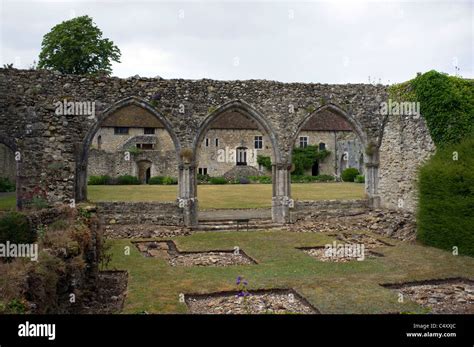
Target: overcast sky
[317,41]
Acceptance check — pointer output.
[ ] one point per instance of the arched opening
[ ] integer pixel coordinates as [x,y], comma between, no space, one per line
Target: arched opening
[232,147]
[333,142]
[9,176]
[129,155]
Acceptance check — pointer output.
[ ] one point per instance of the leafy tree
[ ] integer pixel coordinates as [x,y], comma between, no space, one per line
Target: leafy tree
[76,46]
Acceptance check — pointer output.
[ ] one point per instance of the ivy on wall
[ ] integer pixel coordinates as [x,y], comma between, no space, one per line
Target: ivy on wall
[446,103]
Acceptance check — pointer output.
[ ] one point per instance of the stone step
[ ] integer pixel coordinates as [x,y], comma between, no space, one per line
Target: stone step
[234,222]
[243,227]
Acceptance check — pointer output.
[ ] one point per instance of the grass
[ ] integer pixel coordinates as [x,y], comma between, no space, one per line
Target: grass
[7,201]
[230,195]
[352,287]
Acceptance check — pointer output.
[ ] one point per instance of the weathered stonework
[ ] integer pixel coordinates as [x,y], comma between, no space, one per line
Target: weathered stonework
[54,148]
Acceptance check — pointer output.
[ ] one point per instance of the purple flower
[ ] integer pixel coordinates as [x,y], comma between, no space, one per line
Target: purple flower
[239,279]
[245,283]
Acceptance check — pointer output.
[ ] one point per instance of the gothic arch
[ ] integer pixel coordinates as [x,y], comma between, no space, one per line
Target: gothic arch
[83,153]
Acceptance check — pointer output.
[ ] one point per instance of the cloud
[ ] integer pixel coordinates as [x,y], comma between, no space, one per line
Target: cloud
[337,42]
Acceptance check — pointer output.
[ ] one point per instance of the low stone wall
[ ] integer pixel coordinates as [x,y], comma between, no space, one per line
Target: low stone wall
[305,209]
[157,213]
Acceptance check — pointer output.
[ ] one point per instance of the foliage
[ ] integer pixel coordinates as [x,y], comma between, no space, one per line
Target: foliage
[39,202]
[446,199]
[359,179]
[203,178]
[127,179]
[304,158]
[349,174]
[99,180]
[156,180]
[265,161]
[76,46]
[15,227]
[217,180]
[446,102]
[6,185]
[168,180]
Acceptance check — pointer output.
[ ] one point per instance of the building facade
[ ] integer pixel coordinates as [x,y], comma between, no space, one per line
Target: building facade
[132,142]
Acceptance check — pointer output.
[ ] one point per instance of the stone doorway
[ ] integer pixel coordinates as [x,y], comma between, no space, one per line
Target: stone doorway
[144,171]
[315,168]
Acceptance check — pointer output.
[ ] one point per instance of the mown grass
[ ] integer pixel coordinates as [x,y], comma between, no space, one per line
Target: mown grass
[230,195]
[352,287]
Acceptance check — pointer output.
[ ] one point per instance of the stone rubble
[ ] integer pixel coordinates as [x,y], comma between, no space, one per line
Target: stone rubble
[256,303]
[320,254]
[394,224]
[167,250]
[144,231]
[449,297]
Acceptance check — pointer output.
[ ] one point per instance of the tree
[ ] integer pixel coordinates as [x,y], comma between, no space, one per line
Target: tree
[76,46]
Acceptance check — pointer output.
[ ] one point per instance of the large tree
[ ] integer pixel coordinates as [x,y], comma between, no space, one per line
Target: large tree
[76,46]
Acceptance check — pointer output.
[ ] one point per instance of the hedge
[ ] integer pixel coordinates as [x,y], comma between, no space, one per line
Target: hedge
[446,201]
[349,174]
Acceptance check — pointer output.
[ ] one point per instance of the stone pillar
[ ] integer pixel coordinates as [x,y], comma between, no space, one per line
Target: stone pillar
[281,200]
[187,185]
[372,181]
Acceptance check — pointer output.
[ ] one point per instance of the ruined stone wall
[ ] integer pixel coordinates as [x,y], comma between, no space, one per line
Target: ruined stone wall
[52,145]
[158,213]
[304,209]
[406,145]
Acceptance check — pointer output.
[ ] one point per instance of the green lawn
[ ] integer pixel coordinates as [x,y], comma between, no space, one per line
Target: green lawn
[228,195]
[352,287]
[7,201]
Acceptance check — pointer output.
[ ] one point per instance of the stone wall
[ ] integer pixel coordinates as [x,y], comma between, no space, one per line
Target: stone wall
[158,213]
[406,145]
[54,146]
[312,209]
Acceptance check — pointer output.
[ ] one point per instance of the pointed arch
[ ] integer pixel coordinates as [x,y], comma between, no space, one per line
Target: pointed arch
[83,152]
[247,110]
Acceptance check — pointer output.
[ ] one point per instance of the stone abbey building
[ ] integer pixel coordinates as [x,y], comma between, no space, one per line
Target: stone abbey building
[230,147]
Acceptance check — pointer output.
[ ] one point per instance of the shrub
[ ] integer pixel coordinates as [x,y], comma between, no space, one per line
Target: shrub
[265,161]
[349,174]
[167,180]
[156,180]
[446,199]
[325,178]
[6,185]
[303,158]
[15,227]
[127,179]
[217,180]
[309,179]
[99,180]
[359,179]
[203,178]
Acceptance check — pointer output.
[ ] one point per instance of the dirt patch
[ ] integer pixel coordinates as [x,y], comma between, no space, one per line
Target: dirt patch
[167,250]
[320,254]
[276,301]
[440,296]
[109,295]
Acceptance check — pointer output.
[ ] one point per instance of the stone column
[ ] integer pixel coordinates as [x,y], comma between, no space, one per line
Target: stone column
[281,200]
[187,185]
[372,181]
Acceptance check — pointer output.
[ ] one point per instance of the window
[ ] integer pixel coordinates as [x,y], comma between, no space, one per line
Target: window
[303,141]
[202,171]
[241,156]
[121,131]
[216,142]
[149,131]
[99,142]
[147,146]
[207,142]
[322,146]
[258,142]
